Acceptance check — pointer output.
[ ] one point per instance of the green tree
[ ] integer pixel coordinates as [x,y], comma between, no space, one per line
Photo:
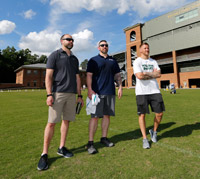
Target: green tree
[84,64]
[42,59]
[10,60]
[8,65]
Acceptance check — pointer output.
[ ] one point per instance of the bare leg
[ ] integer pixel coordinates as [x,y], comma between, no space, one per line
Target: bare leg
[157,120]
[63,130]
[105,125]
[48,134]
[142,125]
[93,124]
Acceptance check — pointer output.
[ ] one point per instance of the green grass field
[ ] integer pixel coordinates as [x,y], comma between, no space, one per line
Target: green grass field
[23,116]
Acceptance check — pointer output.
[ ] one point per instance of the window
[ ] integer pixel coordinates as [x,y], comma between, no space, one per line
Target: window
[28,84]
[133,80]
[133,54]
[28,71]
[187,15]
[35,72]
[133,36]
[34,83]
[166,68]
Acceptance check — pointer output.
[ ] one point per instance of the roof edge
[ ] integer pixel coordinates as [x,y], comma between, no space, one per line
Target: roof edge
[133,26]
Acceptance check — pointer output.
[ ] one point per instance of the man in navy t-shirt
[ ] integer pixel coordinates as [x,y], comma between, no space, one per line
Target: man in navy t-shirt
[102,72]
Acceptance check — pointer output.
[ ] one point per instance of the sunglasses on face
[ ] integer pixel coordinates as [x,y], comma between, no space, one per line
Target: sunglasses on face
[102,45]
[68,39]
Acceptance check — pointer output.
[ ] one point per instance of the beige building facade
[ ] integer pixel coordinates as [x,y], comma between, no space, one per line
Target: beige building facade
[174,40]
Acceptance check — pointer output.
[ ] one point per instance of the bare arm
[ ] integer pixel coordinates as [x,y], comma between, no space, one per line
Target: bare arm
[78,81]
[148,75]
[118,79]
[48,83]
[89,85]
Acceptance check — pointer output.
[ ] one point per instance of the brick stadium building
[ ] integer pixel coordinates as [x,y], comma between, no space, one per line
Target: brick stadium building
[33,76]
[174,40]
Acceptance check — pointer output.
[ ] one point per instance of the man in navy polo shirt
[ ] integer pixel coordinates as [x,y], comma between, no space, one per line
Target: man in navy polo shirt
[102,72]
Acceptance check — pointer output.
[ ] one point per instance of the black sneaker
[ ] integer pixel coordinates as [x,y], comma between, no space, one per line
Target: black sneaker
[43,162]
[106,142]
[64,152]
[91,149]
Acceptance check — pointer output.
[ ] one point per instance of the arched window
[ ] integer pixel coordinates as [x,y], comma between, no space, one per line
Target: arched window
[133,36]
[133,80]
[133,54]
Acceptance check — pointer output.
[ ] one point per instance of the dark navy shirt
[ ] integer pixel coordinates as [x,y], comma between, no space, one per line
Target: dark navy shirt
[65,69]
[103,70]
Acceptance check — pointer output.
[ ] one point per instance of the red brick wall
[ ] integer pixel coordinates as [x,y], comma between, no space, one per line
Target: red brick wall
[130,44]
[38,78]
[10,85]
[22,77]
[170,76]
[185,76]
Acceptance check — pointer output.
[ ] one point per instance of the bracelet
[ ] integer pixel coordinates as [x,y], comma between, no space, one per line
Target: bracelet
[49,95]
[80,96]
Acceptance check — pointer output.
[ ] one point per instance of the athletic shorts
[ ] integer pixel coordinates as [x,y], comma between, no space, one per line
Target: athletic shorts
[64,105]
[154,100]
[105,107]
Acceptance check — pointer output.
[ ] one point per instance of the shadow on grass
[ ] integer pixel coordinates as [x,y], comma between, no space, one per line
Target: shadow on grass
[137,133]
[181,131]
[52,160]
[122,137]
[186,130]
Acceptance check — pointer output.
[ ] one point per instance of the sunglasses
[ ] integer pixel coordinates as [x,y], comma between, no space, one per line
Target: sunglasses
[102,45]
[69,39]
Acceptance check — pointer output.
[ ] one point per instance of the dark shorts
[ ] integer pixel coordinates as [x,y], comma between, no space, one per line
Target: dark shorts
[154,100]
[105,107]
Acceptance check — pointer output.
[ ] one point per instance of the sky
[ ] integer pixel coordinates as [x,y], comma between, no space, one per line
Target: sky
[38,24]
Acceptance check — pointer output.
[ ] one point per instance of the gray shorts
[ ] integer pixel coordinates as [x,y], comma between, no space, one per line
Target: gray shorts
[154,100]
[64,105]
[105,107]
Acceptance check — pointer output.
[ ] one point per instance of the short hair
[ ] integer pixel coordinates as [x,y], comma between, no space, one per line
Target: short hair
[145,43]
[102,41]
[63,36]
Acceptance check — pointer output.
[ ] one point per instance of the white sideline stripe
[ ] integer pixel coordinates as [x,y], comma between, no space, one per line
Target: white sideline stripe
[24,90]
[177,149]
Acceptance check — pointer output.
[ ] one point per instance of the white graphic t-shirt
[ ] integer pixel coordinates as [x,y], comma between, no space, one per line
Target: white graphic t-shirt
[145,87]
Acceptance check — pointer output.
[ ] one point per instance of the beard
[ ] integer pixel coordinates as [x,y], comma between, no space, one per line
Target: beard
[69,46]
[104,51]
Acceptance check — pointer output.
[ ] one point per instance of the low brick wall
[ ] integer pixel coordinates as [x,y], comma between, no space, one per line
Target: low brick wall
[10,85]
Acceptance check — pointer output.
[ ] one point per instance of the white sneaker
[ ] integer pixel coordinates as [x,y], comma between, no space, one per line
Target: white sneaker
[146,144]
[153,135]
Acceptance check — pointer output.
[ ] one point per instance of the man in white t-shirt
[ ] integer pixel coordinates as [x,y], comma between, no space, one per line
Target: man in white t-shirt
[147,92]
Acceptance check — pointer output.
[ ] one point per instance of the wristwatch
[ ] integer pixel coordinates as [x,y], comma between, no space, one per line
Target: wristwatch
[80,96]
[49,95]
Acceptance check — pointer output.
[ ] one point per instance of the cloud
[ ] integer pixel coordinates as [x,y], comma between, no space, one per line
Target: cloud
[83,41]
[40,43]
[123,6]
[29,14]
[84,25]
[44,42]
[6,27]
[142,7]
[155,6]
[76,6]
